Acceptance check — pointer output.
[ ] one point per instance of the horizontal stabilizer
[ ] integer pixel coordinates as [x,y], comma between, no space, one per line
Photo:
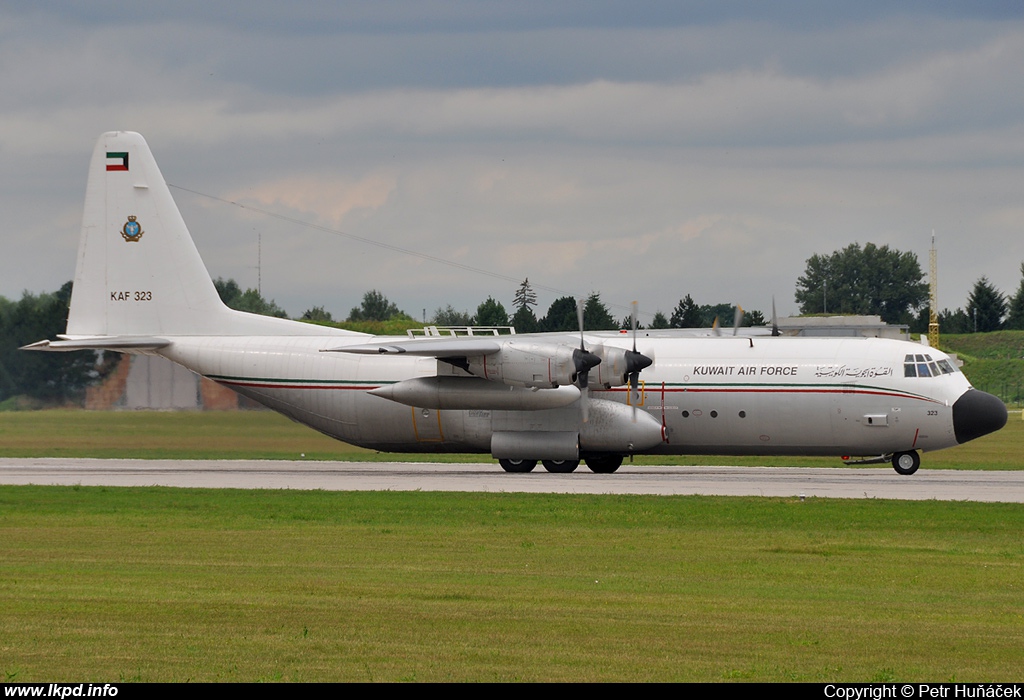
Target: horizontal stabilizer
[120,343]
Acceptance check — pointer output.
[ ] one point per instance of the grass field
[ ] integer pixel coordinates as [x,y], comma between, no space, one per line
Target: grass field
[121,584]
[267,435]
[108,584]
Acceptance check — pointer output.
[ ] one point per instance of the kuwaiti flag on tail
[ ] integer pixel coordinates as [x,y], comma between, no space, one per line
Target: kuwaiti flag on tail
[117,160]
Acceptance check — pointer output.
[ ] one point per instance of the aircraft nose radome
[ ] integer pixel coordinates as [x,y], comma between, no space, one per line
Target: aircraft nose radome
[977,413]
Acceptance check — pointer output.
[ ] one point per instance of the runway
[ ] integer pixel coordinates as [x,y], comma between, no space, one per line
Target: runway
[943,485]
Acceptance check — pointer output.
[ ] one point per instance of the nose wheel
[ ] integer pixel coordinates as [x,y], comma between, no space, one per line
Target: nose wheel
[906,463]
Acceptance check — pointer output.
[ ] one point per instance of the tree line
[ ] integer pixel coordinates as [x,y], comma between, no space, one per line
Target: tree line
[560,316]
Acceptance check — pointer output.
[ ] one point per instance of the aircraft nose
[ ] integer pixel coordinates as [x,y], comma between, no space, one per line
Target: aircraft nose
[977,413]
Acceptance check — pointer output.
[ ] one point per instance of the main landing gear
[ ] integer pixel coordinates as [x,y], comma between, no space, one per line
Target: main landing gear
[518,466]
[906,463]
[599,464]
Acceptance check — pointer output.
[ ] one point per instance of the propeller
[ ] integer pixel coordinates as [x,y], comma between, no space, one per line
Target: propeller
[775,320]
[584,361]
[635,363]
[737,320]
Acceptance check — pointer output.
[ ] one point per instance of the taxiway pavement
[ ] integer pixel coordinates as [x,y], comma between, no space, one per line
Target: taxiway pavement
[937,484]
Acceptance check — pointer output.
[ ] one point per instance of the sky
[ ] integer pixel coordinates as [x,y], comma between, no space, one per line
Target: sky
[641,150]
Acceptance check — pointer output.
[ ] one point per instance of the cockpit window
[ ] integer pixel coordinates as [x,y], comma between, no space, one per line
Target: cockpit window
[924,366]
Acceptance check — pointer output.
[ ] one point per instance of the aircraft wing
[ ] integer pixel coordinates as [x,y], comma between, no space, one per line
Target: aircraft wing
[440,348]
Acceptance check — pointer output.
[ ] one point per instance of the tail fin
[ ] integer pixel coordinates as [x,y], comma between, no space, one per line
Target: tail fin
[138,272]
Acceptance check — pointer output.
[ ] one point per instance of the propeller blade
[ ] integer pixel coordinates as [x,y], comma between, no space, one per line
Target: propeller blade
[584,360]
[632,323]
[636,362]
[579,318]
[737,320]
[775,320]
[715,327]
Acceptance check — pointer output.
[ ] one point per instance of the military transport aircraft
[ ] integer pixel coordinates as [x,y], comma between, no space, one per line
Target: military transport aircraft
[141,287]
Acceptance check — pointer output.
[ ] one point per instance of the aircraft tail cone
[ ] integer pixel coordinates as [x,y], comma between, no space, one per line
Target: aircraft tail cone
[977,413]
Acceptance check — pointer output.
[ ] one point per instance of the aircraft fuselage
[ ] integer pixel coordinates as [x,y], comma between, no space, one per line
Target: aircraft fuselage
[736,395]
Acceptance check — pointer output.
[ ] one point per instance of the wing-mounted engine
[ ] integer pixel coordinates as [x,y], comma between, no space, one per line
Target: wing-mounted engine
[619,366]
[526,375]
[527,364]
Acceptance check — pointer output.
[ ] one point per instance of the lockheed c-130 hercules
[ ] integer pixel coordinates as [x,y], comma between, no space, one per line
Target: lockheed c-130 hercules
[141,287]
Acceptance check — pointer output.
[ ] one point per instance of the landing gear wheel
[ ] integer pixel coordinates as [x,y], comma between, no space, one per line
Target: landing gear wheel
[518,466]
[561,466]
[604,464]
[906,463]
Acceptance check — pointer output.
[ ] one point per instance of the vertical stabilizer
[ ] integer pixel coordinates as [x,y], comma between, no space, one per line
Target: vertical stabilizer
[138,271]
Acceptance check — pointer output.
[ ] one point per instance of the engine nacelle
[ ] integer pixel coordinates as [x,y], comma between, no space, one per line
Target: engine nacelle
[527,364]
[612,370]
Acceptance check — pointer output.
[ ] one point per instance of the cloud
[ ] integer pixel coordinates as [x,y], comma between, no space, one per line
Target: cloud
[321,197]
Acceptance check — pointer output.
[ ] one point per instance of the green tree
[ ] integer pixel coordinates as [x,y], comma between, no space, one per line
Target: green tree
[561,315]
[375,307]
[524,321]
[954,322]
[317,315]
[986,307]
[525,296]
[53,377]
[596,316]
[686,314]
[868,280]
[627,323]
[491,313]
[448,316]
[250,300]
[725,314]
[659,322]
[1015,315]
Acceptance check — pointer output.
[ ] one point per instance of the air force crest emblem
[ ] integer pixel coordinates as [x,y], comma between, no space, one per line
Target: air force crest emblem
[131,231]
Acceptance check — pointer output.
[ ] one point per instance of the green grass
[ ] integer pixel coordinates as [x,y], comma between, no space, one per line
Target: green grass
[267,435]
[994,362]
[107,584]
